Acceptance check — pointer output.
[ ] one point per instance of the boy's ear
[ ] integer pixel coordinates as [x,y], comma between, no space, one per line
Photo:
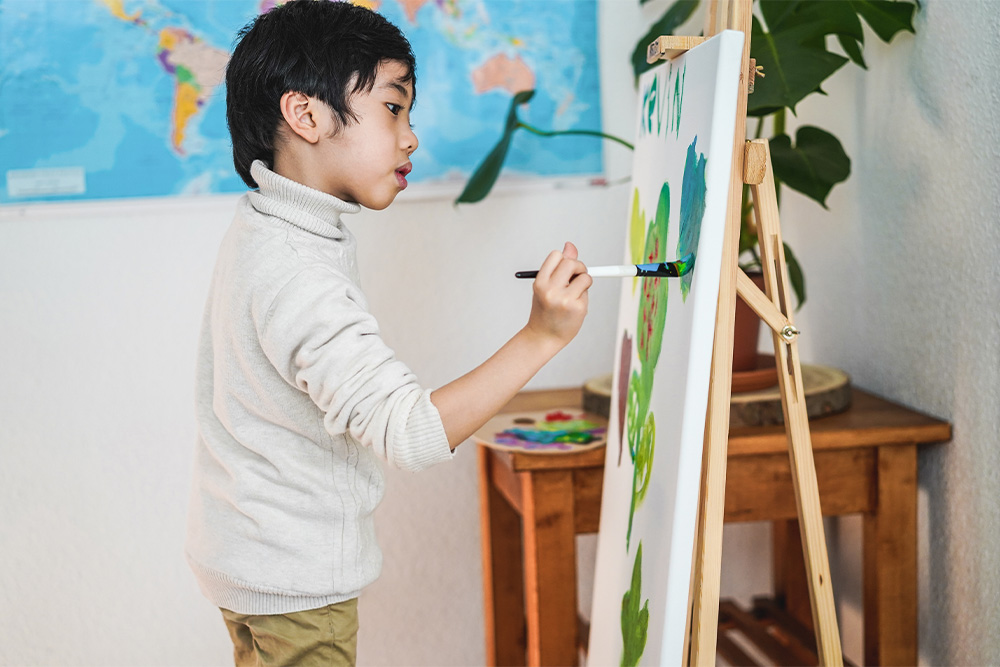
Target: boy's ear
[303,115]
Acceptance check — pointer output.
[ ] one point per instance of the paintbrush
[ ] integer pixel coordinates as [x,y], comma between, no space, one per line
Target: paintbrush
[673,269]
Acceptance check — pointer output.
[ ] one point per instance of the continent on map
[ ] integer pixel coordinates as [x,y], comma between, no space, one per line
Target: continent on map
[411,7]
[117,8]
[500,71]
[197,68]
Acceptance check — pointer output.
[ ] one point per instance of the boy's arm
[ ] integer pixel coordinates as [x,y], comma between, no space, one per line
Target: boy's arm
[559,305]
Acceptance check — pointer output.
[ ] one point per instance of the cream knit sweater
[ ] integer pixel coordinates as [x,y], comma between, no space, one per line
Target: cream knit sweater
[297,399]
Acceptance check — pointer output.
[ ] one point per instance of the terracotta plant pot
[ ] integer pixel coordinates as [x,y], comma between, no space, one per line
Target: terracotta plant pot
[747,332]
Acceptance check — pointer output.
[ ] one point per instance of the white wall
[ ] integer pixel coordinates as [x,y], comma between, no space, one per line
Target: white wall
[99,312]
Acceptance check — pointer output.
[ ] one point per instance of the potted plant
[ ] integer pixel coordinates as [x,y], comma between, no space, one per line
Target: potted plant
[789,43]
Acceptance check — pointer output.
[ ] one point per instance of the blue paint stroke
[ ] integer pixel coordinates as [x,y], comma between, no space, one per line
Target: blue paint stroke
[692,209]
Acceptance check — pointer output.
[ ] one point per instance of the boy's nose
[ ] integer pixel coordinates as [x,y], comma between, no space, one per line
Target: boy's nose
[410,141]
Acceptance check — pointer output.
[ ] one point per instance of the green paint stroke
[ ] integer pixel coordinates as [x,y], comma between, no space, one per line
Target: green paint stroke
[651,108]
[692,209]
[662,104]
[635,411]
[653,300]
[646,443]
[635,620]
[640,425]
[678,100]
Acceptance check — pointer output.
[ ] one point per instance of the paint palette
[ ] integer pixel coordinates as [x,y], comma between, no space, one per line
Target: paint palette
[559,431]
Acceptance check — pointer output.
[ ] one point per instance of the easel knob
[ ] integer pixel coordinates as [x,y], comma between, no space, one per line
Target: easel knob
[789,333]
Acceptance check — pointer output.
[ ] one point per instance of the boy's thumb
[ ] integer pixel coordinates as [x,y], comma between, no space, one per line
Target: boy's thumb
[569,250]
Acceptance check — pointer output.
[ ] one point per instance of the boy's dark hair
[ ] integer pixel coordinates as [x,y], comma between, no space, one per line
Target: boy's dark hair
[327,50]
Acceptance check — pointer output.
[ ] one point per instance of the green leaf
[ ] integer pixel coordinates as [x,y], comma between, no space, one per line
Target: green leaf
[485,175]
[813,18]
[814,165]
[795,276]
[635,618]
[886,17]
[853,50]
[792,68]
[676,14]
[775,12]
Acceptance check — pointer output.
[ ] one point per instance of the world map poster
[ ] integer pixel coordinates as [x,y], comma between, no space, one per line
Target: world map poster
[105,99]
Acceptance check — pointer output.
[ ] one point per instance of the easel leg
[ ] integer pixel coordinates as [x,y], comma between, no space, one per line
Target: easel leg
[800,452]
[503,582]
[890,561]
[550,567]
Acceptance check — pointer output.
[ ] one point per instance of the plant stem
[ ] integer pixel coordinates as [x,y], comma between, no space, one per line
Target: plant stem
[589,133]
[779,122]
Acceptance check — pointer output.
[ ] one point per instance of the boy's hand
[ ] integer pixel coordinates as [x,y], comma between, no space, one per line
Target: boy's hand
[560,297]
[557,311]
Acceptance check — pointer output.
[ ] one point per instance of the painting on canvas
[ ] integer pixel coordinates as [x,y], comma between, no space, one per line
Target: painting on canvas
[680,187]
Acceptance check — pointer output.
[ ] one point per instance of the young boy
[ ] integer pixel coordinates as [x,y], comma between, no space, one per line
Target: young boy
[297,395]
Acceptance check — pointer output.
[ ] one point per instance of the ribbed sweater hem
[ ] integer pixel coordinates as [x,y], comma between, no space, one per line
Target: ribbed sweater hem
[230,593]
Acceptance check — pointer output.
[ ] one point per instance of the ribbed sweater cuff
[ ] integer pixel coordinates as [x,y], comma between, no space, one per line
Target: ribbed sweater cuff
[426,442]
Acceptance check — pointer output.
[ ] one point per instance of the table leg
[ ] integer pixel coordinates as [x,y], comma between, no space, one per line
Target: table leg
[503,582]
[550,567]
[791,585]
[890,561]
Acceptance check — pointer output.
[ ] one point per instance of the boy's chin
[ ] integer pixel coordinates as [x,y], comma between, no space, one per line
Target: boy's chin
[378,203]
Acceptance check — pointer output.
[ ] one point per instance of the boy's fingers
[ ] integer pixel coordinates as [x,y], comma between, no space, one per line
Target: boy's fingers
[580,284]
[554,265]
[549,265]
[567,268]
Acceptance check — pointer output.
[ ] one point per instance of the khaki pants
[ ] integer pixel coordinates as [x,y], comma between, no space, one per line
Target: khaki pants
[324,637]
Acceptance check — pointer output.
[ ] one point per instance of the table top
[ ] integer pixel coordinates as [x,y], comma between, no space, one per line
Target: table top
[871,421]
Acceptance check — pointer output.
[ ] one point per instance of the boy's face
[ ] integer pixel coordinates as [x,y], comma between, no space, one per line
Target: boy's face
[367,161]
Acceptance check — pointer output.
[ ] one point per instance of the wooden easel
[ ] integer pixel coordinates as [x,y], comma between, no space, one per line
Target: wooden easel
[751,166]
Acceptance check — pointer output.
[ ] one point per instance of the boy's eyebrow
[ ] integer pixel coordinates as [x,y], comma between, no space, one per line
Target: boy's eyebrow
[398,87]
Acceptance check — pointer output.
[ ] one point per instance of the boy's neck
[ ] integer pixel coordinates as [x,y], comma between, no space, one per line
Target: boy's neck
[297,168]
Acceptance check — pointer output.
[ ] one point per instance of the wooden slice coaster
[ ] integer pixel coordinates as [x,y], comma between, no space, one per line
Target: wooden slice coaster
[558,431]
[828,391]
[597,395]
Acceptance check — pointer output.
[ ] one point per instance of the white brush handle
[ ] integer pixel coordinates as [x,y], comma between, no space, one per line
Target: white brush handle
[612,271]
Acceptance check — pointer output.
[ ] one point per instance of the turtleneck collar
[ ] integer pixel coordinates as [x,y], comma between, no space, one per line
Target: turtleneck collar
[302,206]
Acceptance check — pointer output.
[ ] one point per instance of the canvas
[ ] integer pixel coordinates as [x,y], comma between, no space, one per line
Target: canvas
[680,188]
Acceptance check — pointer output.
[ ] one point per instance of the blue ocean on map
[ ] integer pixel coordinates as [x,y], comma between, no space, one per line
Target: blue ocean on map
[128,97]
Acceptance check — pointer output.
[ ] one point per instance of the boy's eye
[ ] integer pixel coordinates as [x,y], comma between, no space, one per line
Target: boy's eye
[394,108]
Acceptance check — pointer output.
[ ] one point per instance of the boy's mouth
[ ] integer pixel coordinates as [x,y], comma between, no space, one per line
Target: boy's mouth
[401,175]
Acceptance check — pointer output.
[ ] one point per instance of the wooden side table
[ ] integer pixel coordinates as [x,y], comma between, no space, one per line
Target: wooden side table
[533,506]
